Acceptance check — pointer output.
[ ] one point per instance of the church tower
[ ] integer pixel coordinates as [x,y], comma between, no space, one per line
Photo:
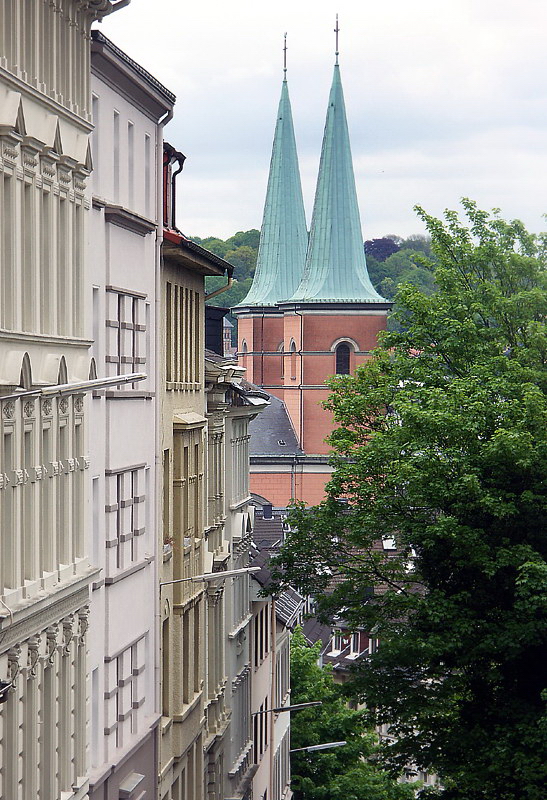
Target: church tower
[328,323]
[281,257]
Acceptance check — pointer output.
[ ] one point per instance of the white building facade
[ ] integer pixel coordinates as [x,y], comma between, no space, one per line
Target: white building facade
[45,569]
[129,109]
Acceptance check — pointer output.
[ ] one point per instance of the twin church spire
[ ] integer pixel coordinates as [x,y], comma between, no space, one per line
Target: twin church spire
[329,266]
[283,235]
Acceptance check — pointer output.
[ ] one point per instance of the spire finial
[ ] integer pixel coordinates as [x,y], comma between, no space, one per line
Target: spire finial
[285,57]
[337,31]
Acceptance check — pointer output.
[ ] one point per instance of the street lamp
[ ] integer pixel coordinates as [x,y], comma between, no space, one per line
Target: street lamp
[296,707]
[215,576]
[325,746]
[76,387]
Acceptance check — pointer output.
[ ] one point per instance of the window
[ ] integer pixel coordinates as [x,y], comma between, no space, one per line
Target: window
[342,359]
[261,635]
[337,643]
[124,695]
[126,332]
[125,509]
[293,361]
[182,339]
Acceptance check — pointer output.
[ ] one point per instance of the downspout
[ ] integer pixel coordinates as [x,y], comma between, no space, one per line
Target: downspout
[180,160]
[222,289]
[168,116]
[272,697]
[262,349]
[301,415]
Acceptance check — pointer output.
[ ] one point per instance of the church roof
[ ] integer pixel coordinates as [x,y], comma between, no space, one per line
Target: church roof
[272,433]
[283,236]
[336,269]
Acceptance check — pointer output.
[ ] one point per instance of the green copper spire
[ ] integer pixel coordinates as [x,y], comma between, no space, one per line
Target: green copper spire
[336,269]
[283,236]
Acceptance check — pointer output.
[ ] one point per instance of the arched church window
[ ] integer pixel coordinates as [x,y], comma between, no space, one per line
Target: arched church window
[342,359]
[293,360]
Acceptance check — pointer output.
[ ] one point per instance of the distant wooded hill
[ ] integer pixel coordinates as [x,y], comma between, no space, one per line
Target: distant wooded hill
[391,260]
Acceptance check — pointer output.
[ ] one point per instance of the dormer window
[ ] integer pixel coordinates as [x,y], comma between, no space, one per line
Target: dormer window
[337,643]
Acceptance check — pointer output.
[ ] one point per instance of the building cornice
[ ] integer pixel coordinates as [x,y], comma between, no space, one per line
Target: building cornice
[123,218]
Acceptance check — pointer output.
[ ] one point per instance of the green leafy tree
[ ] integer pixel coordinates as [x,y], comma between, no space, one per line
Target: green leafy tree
[245,238]
[406,266]
[216,246]
[243,259]
[380,249]
[240,250]
[441,445]
[350,771]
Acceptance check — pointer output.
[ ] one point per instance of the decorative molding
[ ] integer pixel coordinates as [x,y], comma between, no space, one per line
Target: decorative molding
[130,468]
[9,409]
[129,220]
[47,407]
[41,619]
[129,292]
[129,571]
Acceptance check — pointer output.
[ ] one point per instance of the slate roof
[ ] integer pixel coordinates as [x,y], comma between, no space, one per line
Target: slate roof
[283,235]
[289,603]
[270,428]
[268,534]
[336,269]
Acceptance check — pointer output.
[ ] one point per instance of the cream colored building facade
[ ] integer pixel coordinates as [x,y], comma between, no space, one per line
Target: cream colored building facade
[184,606]
[45,570]
[231,404]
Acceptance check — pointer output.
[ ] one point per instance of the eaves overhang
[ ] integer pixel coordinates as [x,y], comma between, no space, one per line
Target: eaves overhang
[128,77]
[334,305]
[254,311]
[289,458]
[185,253]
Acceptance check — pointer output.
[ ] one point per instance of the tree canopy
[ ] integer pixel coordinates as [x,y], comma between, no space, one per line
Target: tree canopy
[241,250]
[440,447]
[351,771]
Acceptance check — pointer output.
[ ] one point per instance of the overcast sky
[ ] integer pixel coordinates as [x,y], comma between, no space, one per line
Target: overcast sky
[445,98]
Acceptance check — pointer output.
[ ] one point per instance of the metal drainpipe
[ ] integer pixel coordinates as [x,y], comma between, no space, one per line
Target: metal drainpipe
[180,162]
[262,349]
[222,289]
[272,698]
[158,430]
[301,421]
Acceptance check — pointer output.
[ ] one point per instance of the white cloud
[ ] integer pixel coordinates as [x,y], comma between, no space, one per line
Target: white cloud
[444,99]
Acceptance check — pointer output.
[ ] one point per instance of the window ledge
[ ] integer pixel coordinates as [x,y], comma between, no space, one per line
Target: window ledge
[242,625]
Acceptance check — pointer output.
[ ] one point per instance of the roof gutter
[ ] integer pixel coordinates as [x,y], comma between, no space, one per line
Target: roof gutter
[222,289]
